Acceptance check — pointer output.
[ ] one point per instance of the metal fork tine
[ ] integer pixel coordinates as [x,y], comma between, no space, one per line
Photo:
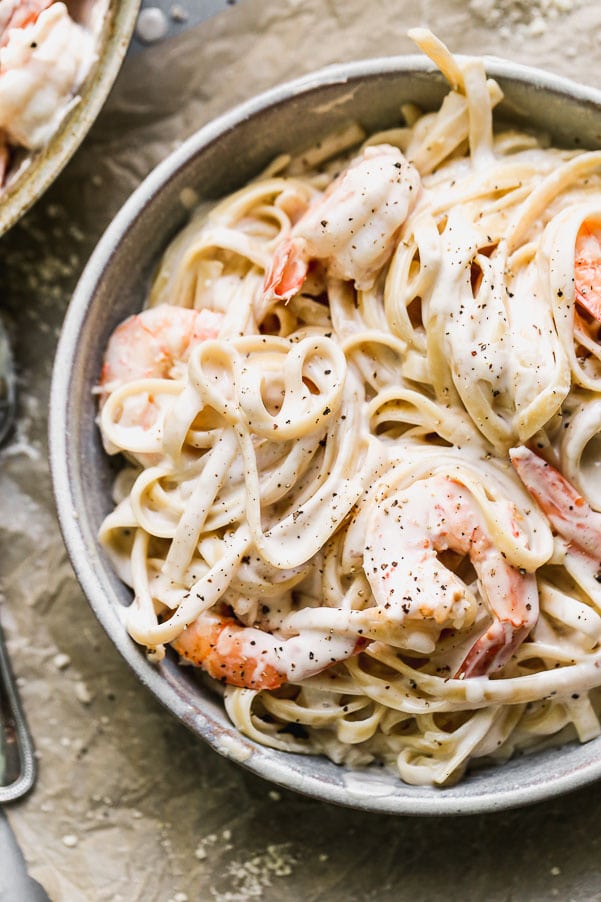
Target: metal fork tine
[7,385]
[17,759]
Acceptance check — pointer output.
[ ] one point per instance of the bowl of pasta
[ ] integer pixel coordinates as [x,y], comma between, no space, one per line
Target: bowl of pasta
[325,443]
[58,61]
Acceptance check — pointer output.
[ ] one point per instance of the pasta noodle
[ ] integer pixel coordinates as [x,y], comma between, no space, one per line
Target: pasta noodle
[361,416]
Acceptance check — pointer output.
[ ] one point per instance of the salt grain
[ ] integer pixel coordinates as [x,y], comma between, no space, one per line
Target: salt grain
[70,840]
[178,14]
[188,198]
[537,27]
[82,693]
[61,661]
[152,25]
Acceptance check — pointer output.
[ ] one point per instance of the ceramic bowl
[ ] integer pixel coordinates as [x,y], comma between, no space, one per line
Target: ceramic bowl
[39,170]
[218,159]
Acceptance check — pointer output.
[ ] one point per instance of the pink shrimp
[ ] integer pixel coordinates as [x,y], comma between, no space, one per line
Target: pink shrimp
[569,513]
[19,14]
[251,658]
[587,267]
[407,578]
[352,227]
[155,343]
[44,57]
[14,14]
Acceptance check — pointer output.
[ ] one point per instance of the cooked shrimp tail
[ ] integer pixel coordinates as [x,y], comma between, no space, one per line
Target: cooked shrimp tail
[409,530]
[251,658]
[374,194]
[587,268]
[288,270]
[567,510]
[515,614]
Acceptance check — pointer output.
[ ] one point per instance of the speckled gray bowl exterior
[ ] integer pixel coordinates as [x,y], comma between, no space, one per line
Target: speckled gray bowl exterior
[44,166]
[219,159]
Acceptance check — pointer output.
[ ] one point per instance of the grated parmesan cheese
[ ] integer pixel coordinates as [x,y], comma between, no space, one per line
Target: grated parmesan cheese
[521,18]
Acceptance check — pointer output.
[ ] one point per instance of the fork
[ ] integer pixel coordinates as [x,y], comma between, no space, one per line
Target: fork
[17,760]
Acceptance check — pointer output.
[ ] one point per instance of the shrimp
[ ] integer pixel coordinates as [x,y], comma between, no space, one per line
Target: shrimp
[587,268]
[251,658]
[19,14]
[155,344]
[352,227]
[44,57]
[407,578]
[569,513]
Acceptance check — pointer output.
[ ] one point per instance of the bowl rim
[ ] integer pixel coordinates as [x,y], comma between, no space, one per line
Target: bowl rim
[46,164]
[262,761]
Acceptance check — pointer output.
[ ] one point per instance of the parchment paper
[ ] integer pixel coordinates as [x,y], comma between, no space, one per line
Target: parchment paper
[129,805]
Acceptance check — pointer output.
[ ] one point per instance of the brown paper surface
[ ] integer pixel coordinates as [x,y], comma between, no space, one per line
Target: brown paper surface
[129,805]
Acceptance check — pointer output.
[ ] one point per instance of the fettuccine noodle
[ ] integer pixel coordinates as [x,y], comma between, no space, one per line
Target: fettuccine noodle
[362,418]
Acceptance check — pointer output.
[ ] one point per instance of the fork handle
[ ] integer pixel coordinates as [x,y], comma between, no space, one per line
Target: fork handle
[17,760]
